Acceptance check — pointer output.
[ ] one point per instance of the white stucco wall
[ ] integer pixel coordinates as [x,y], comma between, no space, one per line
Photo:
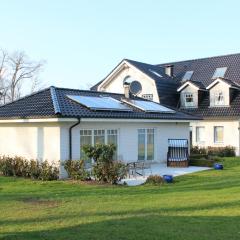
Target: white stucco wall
[50,141]
[116,82]
[127,139]
[224,88]
[30,140]
[189,89]
[230,133]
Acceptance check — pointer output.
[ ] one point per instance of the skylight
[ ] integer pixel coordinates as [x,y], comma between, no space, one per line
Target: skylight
[148,106]
[187,76]
[156,73]
[100,103]
[219,72]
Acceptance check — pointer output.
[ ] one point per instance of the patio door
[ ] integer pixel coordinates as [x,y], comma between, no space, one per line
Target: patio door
[146,144]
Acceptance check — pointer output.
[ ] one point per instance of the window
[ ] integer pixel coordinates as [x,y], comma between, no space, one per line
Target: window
[85,139]
[97,136]
[156,73]
[187,76]
[200,134]
[148,96]
[188,98]
[219,72]
[112,138]
[218,134]
[145,144]
[219,98]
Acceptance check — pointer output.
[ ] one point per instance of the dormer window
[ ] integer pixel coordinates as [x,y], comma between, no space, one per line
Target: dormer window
[218,98]
[187,76]
[219,72]
[189,101]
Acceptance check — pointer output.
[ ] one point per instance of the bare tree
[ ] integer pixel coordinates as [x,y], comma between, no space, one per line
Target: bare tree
[18,75]
[3,88]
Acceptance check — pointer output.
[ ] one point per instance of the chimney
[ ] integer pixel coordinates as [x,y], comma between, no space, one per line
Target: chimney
[169,70]
[126,87]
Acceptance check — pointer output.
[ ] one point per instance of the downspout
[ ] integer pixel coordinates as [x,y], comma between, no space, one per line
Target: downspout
[70,137]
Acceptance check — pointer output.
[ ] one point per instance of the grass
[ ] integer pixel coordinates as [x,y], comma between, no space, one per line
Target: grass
[204,205]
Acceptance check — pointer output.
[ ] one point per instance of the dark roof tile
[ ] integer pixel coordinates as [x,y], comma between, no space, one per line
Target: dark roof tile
[43,104]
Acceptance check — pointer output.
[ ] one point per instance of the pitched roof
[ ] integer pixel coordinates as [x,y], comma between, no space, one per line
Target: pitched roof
[166,86]
[206,112]
[199,85]
[227,81]
[53,102]
[204,68]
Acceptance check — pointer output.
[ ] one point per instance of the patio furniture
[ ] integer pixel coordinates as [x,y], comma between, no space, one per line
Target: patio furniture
[177,155]
[138,168]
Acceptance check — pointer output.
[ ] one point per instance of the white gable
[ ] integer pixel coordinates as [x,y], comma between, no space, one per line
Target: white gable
[114,81]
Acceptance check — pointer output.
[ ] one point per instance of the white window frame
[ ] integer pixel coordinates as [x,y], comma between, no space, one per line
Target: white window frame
[148,96]
[145,144]
[188,104]
[106,131]
[215,134]
[217,95]
[198,140]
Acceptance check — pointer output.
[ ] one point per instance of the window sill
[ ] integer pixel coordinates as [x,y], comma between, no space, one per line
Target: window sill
[187,107]
[219,143]
[216,106]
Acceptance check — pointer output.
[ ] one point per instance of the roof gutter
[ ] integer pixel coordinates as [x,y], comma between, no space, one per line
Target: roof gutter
[70,137]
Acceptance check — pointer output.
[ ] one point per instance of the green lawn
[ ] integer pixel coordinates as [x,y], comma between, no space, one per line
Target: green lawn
[204,205]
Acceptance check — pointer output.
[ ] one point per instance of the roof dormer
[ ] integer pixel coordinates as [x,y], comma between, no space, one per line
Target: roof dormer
[220,92]
[189,93]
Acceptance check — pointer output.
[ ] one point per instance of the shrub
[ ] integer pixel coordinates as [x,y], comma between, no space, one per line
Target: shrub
[105,169]
[76,170]
[227,151]
[198,156]
[154,180]
[109,172]
[21,167]
[48,171]
[201,162]
[198,150]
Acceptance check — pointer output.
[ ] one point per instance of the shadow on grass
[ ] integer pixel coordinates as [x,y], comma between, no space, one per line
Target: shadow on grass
[145,227]
[82,215]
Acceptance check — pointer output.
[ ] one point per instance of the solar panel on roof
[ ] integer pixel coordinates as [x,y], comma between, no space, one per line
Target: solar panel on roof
[149,106]
[100,103]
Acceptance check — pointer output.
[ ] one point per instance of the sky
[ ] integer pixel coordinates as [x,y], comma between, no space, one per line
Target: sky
[81,41]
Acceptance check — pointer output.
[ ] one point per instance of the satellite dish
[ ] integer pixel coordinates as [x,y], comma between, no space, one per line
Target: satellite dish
[135,87]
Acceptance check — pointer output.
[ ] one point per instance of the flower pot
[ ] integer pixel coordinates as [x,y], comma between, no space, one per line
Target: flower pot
[168,178]
[218,166]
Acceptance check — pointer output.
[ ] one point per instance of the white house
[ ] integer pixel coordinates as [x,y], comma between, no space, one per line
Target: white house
[54,123]
[208,88]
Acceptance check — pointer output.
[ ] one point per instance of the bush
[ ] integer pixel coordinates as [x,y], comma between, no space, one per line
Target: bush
[198,150]
[227,151]
[109,172]
[21,167]
[198,156]
[201,162]
[155,180]
[105,169]
[76,170]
